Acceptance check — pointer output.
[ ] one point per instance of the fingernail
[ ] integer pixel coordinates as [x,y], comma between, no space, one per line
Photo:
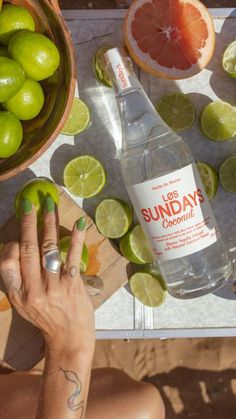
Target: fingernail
[80,224]
[27,206]
[50,205]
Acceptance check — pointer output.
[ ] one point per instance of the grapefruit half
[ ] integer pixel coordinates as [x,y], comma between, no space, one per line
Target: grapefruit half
[174,39]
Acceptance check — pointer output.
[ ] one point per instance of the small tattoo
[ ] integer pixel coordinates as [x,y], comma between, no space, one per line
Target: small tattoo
[71,401]
[73,271]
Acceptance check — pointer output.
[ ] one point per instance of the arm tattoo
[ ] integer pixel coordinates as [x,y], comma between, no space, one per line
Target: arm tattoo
[71,401]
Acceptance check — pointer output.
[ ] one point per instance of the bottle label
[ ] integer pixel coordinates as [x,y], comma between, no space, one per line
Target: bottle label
[175,213]
[120,71]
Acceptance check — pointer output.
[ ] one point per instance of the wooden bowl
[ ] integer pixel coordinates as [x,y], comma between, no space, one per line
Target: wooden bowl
[40,132]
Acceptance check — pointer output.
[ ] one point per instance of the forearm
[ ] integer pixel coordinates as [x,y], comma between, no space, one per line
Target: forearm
[65,385]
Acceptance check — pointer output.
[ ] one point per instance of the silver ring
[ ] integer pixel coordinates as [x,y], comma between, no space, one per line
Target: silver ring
[52,261]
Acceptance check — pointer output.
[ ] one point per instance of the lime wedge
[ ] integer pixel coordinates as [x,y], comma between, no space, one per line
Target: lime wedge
[229,59]
[209,178]
[218,121]
[113,218]
[84,176]
[135,247]
[147,289]
[99,66]
[177,110]
[78,118]
[64,246]
[227,174]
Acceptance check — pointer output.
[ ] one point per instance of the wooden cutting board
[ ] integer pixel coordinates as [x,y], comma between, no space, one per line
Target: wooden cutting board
[21,344]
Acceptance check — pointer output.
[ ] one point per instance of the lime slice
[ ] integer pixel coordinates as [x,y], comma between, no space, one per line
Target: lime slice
[78,118]
[135,247]
[84,176]
[64,246]
[209,178]
[177,110]
[218,121]
[147,289]
[99,67]
[113,218]
[152,269]
[227,174]
[229,59]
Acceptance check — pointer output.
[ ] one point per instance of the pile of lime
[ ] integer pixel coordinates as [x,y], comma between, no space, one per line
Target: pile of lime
[26,58]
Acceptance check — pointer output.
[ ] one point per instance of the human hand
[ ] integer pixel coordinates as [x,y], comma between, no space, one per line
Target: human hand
[57,303]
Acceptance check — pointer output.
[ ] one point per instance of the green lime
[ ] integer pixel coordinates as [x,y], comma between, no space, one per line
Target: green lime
[177,110]
[84,176]
[13,19]
[135,247]
[64,246]
[218,121]
[36,190]
[152,269]
[78,118]
[113,218]
[99,66]
[28,101]
[227,174]
[229,59]
[11,134]
[209,178]
[147,289]
[4,51]
[11,78]
[37,54]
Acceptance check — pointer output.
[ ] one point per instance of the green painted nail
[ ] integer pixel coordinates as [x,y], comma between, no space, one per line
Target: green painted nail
[27,206]
[50,205]
[80,224]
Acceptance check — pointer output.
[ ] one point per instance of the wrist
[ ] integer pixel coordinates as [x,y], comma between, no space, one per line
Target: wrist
[64,355]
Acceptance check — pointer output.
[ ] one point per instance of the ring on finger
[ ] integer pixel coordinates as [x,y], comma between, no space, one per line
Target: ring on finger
[52,261]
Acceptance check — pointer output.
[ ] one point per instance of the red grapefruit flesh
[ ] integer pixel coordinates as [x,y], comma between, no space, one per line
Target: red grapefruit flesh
[173,39]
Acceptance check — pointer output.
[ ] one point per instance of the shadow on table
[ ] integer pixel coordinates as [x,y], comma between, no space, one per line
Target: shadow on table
[197,394]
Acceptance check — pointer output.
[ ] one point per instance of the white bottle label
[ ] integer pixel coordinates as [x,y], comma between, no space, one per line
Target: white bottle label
[175,213]
[119,69]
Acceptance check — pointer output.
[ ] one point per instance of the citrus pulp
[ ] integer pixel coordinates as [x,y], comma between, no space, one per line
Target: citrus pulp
[113,218]
[135,247]
[177,110]
[78,118]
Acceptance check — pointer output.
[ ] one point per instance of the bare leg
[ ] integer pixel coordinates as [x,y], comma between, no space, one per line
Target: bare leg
[112,395]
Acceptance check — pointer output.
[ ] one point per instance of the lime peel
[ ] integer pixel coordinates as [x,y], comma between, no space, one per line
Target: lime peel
[135,247]
[209,178]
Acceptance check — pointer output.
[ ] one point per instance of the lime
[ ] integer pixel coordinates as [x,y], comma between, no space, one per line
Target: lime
[147,289]
[135,247]
[177,110]
[209,178]
[78,118]
[11,134]
[36,190]
[3,51]
[113,218]
[64,246]
[152,269]
[13,19]
[84,176]
[28,101]
[99,66]
[227,174]
[11,78]
[229,59]
[37,54]
[218,121]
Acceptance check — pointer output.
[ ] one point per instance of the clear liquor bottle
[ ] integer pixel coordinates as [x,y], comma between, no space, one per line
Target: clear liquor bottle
[166,191]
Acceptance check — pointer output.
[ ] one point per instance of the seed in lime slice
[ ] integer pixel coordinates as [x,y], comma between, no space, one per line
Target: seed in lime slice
[227,174]
[135,247]
[218,121]
[113,218]
[229,59]
[209,178]
[78,118]
[177,110]
[99,66]
[84,176]
[11,134]
[64,247]
[147,289]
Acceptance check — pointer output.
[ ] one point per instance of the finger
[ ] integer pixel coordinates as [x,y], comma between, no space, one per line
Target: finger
[29,250]
[50,232]
[72,265]
[10,267]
